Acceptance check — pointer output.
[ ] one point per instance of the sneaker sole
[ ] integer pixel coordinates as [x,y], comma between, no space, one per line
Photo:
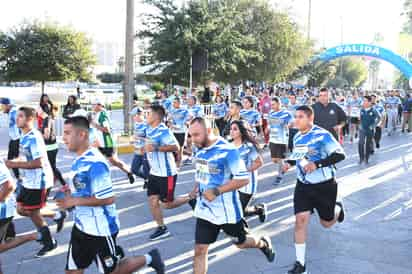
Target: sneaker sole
[161,236]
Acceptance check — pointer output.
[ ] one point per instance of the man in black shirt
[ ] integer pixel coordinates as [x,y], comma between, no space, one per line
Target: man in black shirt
[329,115]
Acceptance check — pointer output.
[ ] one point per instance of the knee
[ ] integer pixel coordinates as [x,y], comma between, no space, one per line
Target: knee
[154,201]
[201,250]
[301,222]
[23,212]
[327,224]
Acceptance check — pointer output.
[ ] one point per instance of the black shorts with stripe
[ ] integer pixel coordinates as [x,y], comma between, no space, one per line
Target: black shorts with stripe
[84,249]
[164,187]
[32,198]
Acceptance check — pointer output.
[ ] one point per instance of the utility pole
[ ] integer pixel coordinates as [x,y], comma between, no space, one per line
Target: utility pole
[128,84]
[341,42]
[309,18]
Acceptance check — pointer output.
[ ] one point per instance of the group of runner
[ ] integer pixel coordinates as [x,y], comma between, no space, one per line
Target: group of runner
[224,145]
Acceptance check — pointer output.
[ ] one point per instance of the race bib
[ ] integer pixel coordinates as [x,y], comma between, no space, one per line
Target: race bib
[355,112]
[202,172]
[299,152]
[274,135]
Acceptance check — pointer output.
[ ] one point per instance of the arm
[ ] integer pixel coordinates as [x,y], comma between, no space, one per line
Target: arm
[168,148]
[233,185]
[256,164]
[6,189]
[92,201]
[332,159]
[19,240]
[24,165]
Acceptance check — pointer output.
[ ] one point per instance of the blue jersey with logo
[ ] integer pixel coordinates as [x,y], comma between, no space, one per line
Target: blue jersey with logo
[215,166]
[8,206]
[380,109]
[292,108]
[167,104]
[92,179]
[392,102]
[140,134]
[354,107]
[179,117]
[252,116]
[195,111]
[220,110]
[278,126]
[313,146]
[249,154]
[162,164]
[32,147]
[14,131]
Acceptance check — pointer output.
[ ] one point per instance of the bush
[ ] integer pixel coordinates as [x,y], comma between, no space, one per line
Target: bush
[157,86]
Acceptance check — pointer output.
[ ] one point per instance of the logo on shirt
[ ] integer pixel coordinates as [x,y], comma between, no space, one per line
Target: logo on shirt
[331,112]
[77,183]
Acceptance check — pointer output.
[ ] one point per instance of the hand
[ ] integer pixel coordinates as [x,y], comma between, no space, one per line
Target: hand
[149,148]
[310,167]
[193,193]
[285,167]
[209,195]
[67,202]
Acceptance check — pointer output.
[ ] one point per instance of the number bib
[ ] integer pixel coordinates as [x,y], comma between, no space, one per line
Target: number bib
[355,112]
[299,152]
[202,172]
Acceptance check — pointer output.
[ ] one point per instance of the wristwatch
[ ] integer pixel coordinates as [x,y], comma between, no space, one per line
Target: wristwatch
[319,165]
[216,191]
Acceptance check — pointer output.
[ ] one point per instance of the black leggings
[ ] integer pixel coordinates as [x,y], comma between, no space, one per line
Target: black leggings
[378,135]
[220,124]
[52,155]
[13,153]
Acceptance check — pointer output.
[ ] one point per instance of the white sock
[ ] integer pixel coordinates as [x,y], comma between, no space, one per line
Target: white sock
[148,259]
[300,253]
[57,215]
[280,173]
[337,210]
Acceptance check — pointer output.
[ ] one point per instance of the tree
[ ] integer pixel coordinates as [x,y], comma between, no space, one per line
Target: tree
[36,51]
[243,39]
[407,27]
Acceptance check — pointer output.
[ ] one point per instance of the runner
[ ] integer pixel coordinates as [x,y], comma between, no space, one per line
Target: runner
[264,108]
[279,123]
[160,145]
[219,174]
[37,179]
[293,105]
[369,121]
[102,125]
[354,105]
[220,111]
[234,114]
[96,222]
[392,103]
[249,153]
[140,164]
[251,115]
[315,153]
[178,118]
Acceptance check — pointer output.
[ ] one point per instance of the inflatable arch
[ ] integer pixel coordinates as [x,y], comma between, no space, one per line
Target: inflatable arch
[368,50]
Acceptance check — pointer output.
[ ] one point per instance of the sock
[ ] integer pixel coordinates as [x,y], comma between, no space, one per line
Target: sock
[148,259]
[337,210]
[300,253]
[57,216]
[39,237]
[280,173]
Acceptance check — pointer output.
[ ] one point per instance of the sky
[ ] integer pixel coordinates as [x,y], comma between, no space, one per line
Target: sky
[104,20]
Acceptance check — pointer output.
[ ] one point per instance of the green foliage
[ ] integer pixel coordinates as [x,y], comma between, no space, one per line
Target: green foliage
[110,77]
[36,51]
[244,39]
[401,82]
[158,86]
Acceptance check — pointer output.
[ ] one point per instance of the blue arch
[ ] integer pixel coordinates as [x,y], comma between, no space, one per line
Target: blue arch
[368,50]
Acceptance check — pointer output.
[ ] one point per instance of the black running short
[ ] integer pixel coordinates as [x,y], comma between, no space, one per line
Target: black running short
[164,187]
[277,150]
[84,249]
[106,151]
[32,198]
[180,137]
[321,197]
[354,120]
[207,232]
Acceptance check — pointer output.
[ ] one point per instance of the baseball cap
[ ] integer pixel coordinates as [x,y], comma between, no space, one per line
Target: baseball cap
[135,111]
[79,113]
[5,101]
[98,101]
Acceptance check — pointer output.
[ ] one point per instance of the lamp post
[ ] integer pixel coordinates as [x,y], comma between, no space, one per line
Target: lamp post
[128,85]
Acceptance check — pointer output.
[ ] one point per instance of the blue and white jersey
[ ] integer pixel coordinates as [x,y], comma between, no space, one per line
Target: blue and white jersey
[14,131]
[354,107]
[249,154]
[343,106]
[220,110]
[195,111]
[380,109]
[312,146]
[162,164]
[167,104]
[284,101]
[215,166]
[92,179]
[302,100]
[32,147]
[278,126]
[8,207]
[292,108]
[179,117]
[139,135]
[392,102]
[252,116]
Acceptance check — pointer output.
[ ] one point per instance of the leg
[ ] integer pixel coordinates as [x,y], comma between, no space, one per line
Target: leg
[119,164]
[200,260]
[130,265]
[361,146]
[13,153]
[154,204]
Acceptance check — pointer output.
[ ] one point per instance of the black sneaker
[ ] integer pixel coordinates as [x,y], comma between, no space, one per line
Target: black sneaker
[131,177]
[341,216]
[157,263]
[60,221]
[160,233]
[298,268]
[46,249]
[268,249]
[378,145]
[277,181]
[262,212]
